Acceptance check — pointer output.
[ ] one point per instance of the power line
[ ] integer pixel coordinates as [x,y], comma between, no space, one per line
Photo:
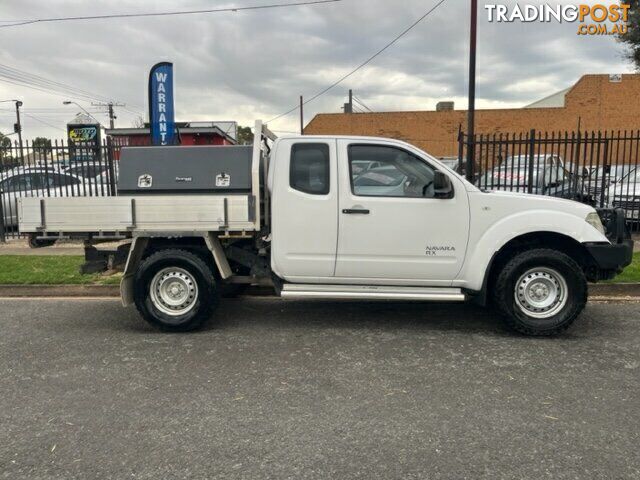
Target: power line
[59,94]
[363,64]
[37,82]
[163,14]
[33,79]
[361,103]
[44,122]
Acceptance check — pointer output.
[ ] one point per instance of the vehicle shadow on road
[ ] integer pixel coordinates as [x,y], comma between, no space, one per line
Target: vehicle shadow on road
[248,313]
[349,314]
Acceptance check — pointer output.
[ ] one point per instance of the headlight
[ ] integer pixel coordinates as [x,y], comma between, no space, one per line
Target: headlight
[593,219]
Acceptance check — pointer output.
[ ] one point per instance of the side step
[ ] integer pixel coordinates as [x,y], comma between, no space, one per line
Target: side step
[373,292]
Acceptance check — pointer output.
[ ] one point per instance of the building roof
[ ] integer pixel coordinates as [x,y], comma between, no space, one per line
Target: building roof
[181,127]
[555,100]
[83,119]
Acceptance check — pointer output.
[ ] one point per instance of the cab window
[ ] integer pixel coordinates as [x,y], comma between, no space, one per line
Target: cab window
[395,173]
[309,170]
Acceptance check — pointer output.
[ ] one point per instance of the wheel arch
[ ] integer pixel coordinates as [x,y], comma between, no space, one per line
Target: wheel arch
[206,246]
[527,241]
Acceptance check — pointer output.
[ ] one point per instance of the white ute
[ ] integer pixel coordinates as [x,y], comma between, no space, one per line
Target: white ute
[340,217]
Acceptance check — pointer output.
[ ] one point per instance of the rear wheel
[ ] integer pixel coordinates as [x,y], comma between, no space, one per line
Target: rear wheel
[540,292]
[175,290]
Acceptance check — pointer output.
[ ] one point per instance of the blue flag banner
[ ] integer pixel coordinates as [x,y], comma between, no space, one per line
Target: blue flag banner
[161,113]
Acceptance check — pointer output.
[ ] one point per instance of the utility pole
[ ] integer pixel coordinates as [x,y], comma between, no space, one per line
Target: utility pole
[348,107]
[110,106]
[18,129]
[471,146]
[301,115]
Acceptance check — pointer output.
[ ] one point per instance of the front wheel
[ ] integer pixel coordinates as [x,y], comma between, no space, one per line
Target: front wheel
[175,290]
[540,292]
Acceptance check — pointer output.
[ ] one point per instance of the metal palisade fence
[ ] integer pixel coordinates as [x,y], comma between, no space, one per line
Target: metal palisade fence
[52,169]
[597,168]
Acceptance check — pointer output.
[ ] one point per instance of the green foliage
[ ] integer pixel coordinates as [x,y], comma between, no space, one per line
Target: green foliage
[632,37]
[245,137]
[5,141]
[42,143]
[5,148]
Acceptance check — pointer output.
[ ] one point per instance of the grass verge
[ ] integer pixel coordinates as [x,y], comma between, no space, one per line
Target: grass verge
[631,274]
[65,270]
[48,270]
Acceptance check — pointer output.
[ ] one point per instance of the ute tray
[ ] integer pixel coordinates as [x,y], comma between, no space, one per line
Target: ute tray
[141,213]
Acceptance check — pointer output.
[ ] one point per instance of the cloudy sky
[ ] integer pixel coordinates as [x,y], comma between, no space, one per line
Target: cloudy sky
[254,64]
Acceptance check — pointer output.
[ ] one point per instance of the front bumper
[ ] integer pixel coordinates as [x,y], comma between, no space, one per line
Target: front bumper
[609,259]
[611,256]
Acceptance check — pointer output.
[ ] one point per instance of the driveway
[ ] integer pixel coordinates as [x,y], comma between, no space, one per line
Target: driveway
[315,390]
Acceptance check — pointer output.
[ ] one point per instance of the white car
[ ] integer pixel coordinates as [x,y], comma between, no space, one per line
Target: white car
[90,171]
[35,182]
[626,195]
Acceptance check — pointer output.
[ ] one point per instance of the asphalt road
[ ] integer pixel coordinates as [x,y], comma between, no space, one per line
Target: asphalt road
[315,390]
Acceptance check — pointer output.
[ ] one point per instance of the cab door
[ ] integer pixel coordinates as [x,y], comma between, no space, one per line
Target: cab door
[394,227]
[305,209]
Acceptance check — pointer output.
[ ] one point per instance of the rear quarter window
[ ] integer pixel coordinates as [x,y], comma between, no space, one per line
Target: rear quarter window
[309,169]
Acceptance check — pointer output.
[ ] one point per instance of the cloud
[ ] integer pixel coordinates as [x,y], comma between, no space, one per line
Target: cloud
[247,65]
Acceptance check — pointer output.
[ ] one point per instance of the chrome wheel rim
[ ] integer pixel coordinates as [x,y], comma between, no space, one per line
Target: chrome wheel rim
[541,292]
[173,291]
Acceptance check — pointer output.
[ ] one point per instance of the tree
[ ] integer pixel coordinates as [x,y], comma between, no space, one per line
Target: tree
[245,137]
[138,122]
[5,147]
[42,144]
[632,36]
[5,142]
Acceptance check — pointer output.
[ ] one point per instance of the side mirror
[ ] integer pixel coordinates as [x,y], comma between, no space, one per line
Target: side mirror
[442,187]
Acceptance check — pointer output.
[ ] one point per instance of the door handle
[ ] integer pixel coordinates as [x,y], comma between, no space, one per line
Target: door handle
[352,211]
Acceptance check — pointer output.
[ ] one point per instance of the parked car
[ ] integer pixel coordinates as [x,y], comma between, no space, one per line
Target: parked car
[550,177]
[362,166]
[34,182]
[607,176]
[625,194]
[384,181]
[89,171]
[460,167]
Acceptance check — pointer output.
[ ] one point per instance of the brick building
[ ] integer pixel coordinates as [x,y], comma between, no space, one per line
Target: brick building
[598,102]
[188,133]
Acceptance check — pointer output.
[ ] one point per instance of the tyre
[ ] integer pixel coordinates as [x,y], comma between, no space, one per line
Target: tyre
[175,290]
[540,292]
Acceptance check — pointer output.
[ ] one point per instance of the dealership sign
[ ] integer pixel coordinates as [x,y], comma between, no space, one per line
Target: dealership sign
[161,113]
[84,141]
